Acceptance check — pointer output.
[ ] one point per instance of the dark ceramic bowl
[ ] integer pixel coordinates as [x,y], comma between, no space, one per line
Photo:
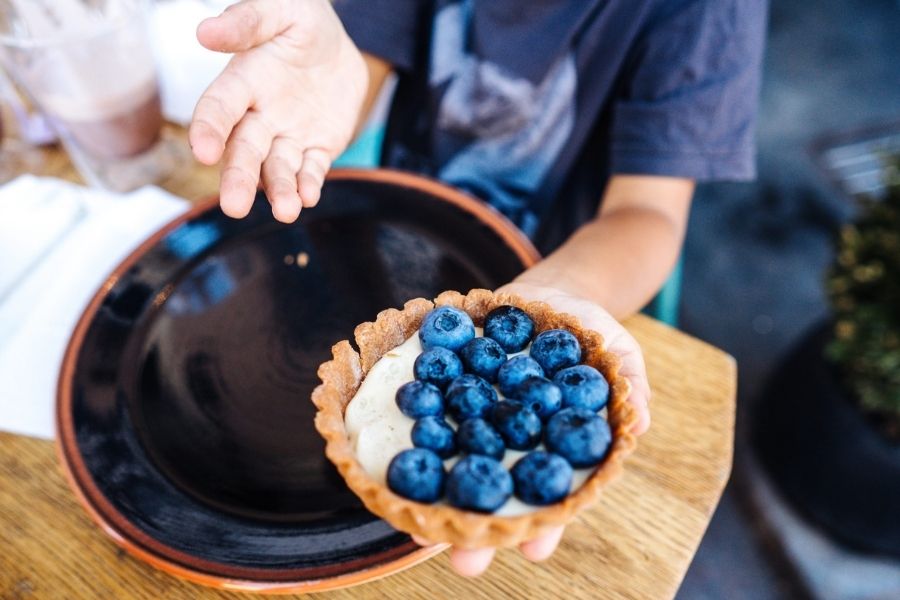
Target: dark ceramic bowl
[184,413]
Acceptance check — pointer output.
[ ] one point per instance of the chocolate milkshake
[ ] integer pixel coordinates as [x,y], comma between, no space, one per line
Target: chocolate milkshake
[105,131]
[90,69]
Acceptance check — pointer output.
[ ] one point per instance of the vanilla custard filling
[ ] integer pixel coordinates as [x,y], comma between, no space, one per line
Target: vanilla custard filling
[379,431]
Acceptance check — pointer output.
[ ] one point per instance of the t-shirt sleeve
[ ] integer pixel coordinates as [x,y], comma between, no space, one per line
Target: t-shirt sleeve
[389,29]
[688,106]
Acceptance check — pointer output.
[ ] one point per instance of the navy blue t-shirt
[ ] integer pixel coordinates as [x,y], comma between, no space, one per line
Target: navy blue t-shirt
[532,105]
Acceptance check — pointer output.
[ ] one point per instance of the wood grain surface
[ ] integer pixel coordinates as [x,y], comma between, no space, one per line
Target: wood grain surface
[636,543]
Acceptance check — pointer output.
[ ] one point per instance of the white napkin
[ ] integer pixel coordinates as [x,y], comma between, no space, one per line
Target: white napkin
[57,278]
[45,215]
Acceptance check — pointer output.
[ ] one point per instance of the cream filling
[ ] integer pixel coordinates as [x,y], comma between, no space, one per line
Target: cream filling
[378,430]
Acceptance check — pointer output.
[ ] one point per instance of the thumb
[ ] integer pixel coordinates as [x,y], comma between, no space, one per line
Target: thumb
[244,25]
[640,399]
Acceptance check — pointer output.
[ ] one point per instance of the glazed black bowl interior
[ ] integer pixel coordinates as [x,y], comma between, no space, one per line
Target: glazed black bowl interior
[190,393]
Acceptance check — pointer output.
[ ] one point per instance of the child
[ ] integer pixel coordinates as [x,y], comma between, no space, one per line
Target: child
[586,123]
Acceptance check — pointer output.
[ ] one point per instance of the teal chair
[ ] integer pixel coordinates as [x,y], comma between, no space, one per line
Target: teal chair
[364,152]
[367,148]
[664,307]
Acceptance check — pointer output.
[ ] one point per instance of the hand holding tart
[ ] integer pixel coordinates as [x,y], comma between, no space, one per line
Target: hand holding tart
[479,420]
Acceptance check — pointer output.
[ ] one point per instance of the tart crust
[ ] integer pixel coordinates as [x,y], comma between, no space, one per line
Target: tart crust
[342,376]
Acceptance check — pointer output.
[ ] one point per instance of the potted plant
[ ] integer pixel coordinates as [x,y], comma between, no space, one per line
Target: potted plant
[828,431]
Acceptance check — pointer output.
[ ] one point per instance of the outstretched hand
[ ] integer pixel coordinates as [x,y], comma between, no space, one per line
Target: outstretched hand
[617,340]
[285,106]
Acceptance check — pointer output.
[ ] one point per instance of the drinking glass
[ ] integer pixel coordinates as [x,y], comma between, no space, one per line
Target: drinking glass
[88,66]
[21,132]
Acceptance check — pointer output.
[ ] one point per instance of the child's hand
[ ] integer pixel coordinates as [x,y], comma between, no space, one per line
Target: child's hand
[285,106]
[618,340]
[472,563]
[615,336]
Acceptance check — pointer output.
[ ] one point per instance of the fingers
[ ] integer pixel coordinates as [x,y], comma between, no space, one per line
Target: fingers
[279,174]
[541,548]
[471,563]
[635,371]
[316,163]
[640,399]
[618,340]
[247,147]
[219,109]
[245,25]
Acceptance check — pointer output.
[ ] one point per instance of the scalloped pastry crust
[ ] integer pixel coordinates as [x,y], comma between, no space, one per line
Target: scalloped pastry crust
[342,376]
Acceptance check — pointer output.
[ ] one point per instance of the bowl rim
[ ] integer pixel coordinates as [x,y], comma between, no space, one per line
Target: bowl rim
[147,549]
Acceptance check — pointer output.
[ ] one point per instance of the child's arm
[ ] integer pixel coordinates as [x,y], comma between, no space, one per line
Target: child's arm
[618,261]
[379,69]
[612,266]
[622,258]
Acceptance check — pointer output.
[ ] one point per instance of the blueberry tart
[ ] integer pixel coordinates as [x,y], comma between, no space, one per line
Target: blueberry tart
[476,420]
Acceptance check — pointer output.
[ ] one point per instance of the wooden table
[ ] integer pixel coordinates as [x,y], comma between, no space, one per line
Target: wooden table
[636,543]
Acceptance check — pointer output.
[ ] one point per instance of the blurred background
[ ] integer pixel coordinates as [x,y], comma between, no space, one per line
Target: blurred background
[795,273]
[756,267]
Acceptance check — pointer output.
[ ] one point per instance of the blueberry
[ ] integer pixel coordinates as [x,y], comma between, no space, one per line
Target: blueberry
[483,357]
[470,396]
[478,483]
[541,394]
[556,349]
[434,433]
[579,435]
[418,399]
[446,327]
[541,478]
[582,386]
[515,371]
[477,436]
[518,425]
[417,474]
[437,366]
[511,327]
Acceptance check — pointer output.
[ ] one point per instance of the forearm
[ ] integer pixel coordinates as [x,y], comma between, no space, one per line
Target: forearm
[378,69]
[622,258]
[619,261]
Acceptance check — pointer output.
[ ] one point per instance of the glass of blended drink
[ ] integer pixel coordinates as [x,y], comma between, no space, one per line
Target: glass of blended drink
[88,66]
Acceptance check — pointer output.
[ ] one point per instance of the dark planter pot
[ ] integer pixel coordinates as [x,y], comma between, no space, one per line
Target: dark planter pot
[823,454]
